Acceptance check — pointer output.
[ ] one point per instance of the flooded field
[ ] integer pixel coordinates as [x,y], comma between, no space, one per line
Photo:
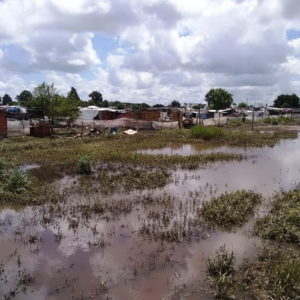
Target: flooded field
[136,243]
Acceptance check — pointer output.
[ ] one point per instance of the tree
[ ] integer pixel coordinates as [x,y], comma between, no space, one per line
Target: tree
[218,99]
[96,97]
[43,97]
[175,103]
[74,95]
[6,100]
[104,103]
[243,105]
[24,98]
[287,101]
[158,106]
[47,98]
[64,107]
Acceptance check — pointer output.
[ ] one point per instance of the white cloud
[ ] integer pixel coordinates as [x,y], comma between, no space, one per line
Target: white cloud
[166,48]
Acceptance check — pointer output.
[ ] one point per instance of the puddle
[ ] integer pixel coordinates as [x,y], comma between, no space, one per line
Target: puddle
[71,254]
[28,167]
[190,149]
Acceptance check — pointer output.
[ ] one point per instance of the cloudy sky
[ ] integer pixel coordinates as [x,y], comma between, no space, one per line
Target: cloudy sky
[152,50]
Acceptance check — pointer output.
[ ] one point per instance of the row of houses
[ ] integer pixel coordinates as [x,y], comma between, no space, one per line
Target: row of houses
[152,118]
[101,113]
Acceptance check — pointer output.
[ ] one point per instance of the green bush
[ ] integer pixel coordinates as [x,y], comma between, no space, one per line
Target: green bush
[84,165]
[206,133]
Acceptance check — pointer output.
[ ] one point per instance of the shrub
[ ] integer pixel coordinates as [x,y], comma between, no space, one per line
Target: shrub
[84,165]
[206,133]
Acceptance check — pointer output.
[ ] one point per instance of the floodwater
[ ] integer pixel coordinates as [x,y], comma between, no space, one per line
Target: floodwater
[147,245]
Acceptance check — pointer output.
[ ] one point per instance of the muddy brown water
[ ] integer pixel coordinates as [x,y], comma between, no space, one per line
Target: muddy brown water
[106,256]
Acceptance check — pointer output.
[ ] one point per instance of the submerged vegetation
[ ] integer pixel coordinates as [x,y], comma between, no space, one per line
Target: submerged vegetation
[121,148]
[283,221]
[137,207]
[230,210]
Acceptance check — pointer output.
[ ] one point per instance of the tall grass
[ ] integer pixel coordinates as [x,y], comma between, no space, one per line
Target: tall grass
[206,133]
[280,120]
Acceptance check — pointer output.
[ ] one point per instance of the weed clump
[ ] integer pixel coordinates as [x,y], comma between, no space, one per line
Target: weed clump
[206,133]
[221,271]
[282,223]
[221,264]
[17,182]
[84,165]
[230,210]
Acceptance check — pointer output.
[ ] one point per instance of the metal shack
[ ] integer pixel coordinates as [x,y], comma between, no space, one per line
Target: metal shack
[3,124]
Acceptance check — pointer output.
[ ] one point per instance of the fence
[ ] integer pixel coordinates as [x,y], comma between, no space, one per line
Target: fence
[17,127]
[128,123]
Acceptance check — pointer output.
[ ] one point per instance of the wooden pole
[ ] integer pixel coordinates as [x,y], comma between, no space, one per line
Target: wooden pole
[252,118]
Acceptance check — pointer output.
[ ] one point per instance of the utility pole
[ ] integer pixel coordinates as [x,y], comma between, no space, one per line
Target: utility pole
[252,117]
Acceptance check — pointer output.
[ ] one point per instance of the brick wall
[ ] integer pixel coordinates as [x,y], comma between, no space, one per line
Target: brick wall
[3,124]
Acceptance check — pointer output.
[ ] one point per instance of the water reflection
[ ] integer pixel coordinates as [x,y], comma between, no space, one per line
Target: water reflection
[105,257]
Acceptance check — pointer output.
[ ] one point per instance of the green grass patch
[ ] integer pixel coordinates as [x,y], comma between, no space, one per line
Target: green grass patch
[229,210]
[274,274]
[206,133]
[280,120]
[283,221]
